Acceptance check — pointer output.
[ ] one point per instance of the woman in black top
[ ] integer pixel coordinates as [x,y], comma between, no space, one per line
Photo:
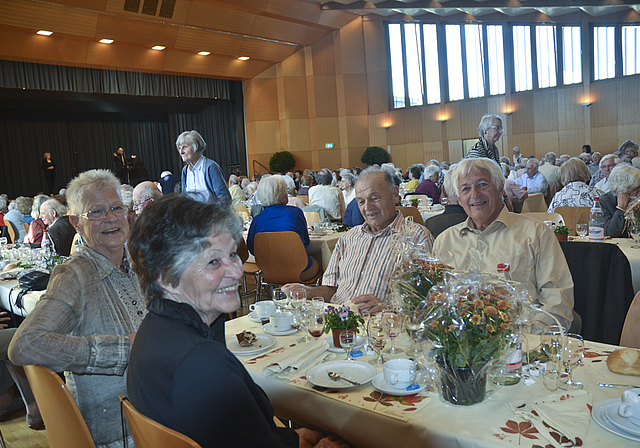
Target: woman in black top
[49,168]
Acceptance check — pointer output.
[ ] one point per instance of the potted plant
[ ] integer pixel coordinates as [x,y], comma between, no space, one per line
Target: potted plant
[562,232]
[341,319]
[415,202]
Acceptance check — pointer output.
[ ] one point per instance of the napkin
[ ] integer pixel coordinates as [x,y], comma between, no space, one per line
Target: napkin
[562,419]
[298,361]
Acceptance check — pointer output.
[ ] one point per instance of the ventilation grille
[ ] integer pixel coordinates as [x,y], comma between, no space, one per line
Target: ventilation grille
[150,7]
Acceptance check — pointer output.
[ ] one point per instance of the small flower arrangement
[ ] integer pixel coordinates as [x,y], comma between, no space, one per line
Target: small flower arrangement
[561,230]
[415,202]
[342,318]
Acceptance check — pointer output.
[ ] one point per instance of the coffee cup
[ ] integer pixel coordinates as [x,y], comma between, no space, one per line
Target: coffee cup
[399,373]
[263,309]
[630,406]
[281,320]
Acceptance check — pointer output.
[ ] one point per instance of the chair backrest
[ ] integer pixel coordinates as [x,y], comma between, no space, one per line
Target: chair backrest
[65,425]
[534,203]
[312,218]
[631,330]
[411,211]
[241,211]
[242,250]
[316,208]
[574,215]
[148,433]
[73,243]
[544,216]
[26,227]
[281,256]
[304,197]
[12,231]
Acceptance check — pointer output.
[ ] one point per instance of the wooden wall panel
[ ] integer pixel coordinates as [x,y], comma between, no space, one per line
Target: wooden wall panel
[629,101]
[40,15]
[252,137]
[175,60]
[355,157]
[329,158]
[357,131]
[352,48]
[284,135]
[415,154]
[629,132]
[355,94]
[526,143]
[376,60]
[377,132]
[470,115]
[571,141]
[340,95]
[412,123]
[294,65]
[377,92]
[304,159]
[305,11]
[328,132]
[277,29]
[571,112]
[523,115]
[267,137]
[455,150]
[433,150]
[326,96]
[209,16]
[545,109]
[263,99]
[272,51]
[604,110]
[298,135]
[605,139]
[399,155]
[271,72]
[453,124]
[546,142]
[431,128]
[190,39]
[395,133]
[295,96]
[136,31]
[324,62]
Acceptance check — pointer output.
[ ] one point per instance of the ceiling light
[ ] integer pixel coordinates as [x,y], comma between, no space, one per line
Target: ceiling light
[204,53]
[45,33]
[158,47]
[106,41]
[244,58]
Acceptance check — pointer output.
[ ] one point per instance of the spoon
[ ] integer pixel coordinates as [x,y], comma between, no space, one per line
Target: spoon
[334,376]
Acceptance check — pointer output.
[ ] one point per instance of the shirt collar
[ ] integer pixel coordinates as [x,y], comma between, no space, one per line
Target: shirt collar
[103,267]
[198,165]
[185,313]
[504,219]
[394,227]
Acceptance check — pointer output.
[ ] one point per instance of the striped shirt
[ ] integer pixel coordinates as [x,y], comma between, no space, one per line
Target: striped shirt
[362,262]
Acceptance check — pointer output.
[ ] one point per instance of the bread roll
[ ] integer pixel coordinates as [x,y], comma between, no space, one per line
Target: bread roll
[625,361]
[9,267]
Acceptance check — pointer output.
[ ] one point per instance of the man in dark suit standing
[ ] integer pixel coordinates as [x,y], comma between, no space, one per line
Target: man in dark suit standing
[61,231]
[122,164]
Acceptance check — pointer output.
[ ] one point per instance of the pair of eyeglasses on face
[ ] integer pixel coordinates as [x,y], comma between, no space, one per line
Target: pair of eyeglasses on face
[137,205]
[497,128]
[101,213]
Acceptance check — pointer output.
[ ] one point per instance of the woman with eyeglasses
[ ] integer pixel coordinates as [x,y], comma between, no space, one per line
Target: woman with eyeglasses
[490,130]
[86,322]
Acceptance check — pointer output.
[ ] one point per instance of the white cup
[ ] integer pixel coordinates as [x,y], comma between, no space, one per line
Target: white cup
[263,309]
[630,406]
[400,373]
[281,320]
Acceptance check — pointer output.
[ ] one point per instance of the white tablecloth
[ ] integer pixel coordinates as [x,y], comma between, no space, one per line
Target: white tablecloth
[426,214]
[8,298]
[437,424]
[633,255]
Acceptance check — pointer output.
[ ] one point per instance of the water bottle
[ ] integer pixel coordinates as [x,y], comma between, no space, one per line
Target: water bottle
[596,222]
[47,248]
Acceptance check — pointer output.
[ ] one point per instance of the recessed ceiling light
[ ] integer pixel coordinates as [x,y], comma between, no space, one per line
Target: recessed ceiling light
[244,58]
[106,41]
[45,33]
[158,47]
[204,53]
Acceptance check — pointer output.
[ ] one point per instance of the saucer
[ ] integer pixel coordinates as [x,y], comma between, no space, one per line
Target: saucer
[267,328]
[599,415]
[253,317]
[383,386]
[360,372]
[611,412]
[263,342]
[359,344]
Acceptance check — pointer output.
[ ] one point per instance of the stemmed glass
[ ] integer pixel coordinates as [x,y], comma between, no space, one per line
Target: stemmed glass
[280,298]
[303,316]
[572,356]
[552,341]
[412,324]
[316,323]
[318,303]
[581,229]
[634,231]
[392,324]
[348,340]
[377,338]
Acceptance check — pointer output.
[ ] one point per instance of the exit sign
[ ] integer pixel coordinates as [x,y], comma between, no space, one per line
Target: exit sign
[328,145]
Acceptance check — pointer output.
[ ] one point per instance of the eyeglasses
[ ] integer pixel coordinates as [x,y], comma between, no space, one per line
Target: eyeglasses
[497,128]
[96,215]
[137,205]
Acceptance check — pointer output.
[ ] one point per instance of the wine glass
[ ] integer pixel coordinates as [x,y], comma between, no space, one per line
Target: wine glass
[280,298]
[348,339]
[392,324]
[377,338]
[316,323]
[581,229]
[412,324]
[572,356]
[552,339]
[303,315]
[634,231]
[318,303]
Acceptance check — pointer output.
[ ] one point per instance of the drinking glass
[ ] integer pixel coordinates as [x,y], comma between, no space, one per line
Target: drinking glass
[280,298]
[377,338]
[581,230]
[572,356]
[318,303]
[412,324]
[444,200]
[298,294]
[347,342]
[552,341]
[392,324]
[316,323]
[302,313]
[634,231]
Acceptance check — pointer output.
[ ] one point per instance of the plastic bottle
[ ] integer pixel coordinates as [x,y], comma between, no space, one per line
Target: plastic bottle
[508,368]
[47,247]
[596,222]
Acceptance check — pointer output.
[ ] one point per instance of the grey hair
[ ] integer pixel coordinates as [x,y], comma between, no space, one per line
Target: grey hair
[13,205]
[272,190]
[54,204]
[87,182]
[253,185]
[615,158]
[448,187]
[388,178]
[430,171]
[3,201]
[165,173]
[434,162]
[505,170]
[550,157]
[468,166]
[233,179]
[148,190]
[534,161]
[24,204]
[291,185]
[37,202]
[506,160]
[349,178]
[324,177]
[486,122]
[389,168]
[194,139]
[574,170]
[627,145]
[244,182]
[624,179]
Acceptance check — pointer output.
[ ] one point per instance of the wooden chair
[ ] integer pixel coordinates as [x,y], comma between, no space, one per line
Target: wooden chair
[555,217]
[304,197]
[12,231]
[249,268]
[241,211]
[411,211]
[65,425]
[574,215]
[281,258]
[631,330]
[148,433]
[534,203]
[312,218]
[73,243]
[26,227]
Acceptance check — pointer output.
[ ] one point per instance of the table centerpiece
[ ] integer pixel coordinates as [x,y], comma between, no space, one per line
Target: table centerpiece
[340,319]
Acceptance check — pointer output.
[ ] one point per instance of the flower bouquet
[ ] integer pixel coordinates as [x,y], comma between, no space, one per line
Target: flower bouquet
[469,321]
[413,278]
[340,319]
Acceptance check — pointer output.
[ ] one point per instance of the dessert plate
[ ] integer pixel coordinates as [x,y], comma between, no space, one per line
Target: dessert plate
[360,372]
[600,417]
[264,342]
[611,412]
[267,328]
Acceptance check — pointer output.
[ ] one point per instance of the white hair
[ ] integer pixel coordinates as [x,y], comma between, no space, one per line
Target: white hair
[86,182]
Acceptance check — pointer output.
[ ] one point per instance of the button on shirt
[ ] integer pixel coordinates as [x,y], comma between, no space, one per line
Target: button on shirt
[195,180]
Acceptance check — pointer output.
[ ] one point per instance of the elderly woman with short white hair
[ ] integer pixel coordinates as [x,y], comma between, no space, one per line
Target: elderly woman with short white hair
[574,175]
[624,183]
[277,216]
[348,187]
[428,185]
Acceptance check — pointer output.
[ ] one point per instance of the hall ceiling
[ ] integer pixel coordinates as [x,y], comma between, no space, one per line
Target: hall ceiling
[266,31]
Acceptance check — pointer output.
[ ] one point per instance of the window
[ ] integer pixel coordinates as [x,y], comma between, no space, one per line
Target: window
[475,66]
[397,66]
[430,35]
[630,50]
[522,58]
[414,63]
[454,62]
[571,55]
[495,49]
[604,57]
[546,55]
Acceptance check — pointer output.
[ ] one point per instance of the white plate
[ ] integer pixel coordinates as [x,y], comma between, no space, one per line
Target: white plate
[383,386]
[359,344]
[267,328]
[611,412]
[263,343]
[598,414]
[360,372]
[253,317]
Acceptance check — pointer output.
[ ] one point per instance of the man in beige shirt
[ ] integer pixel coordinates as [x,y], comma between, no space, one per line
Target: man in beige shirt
[491,235]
